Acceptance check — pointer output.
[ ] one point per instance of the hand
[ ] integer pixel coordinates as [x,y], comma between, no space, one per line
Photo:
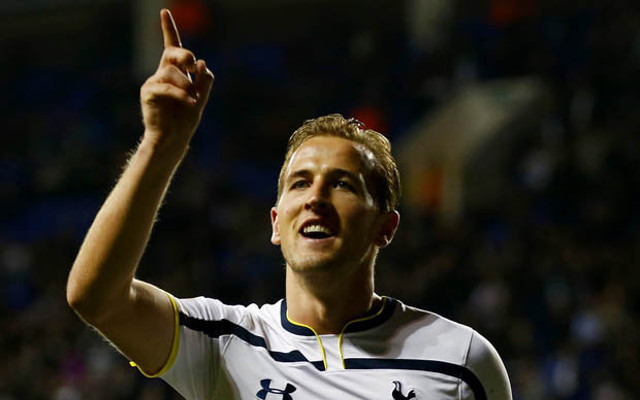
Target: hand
[172,102]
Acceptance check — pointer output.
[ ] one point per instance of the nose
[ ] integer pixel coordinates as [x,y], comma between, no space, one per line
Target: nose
[318,199]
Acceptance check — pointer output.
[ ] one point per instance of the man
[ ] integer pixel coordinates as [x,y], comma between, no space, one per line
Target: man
[333,337]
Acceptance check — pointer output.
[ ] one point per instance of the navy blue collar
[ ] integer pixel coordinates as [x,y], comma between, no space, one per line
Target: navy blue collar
[373,318]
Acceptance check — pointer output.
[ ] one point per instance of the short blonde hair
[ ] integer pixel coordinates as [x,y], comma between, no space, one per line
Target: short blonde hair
[383,179]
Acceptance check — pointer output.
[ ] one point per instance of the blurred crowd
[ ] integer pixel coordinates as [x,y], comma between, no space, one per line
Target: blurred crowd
[549,274]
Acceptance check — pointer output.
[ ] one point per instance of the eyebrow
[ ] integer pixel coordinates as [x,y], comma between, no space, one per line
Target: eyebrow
[301,173]
[343,172]
[304,173]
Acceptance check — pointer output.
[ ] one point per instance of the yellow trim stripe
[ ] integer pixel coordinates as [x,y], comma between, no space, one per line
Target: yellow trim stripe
[324,357]
[384,302]
[174,346]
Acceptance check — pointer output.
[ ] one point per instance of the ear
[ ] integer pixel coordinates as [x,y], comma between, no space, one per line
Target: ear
[275,229]
[390,221]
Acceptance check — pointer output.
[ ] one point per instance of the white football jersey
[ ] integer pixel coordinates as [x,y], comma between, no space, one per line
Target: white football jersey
[397,352]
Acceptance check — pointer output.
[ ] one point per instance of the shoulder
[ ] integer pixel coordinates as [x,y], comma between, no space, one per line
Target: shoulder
[435,329]
[438,338]
[485,362]
[429,319]
[209,309]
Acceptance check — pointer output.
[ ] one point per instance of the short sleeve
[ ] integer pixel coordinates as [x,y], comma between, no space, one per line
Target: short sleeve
[195,366]
[485,363]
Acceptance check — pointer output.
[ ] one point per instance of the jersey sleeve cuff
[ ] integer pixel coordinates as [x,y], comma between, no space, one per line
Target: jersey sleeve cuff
[174,346]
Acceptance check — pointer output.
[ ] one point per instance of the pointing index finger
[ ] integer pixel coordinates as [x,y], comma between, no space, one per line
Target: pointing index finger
[169,31]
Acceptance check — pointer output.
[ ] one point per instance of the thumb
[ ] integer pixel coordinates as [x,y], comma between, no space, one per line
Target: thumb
[203,83]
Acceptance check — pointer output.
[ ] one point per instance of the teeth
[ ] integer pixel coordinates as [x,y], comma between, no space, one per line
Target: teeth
[316,229]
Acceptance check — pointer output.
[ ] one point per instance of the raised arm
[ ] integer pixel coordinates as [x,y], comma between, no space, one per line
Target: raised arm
[135,316]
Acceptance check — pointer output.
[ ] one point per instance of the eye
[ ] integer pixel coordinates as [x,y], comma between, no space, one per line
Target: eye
[299,184]
[342,184]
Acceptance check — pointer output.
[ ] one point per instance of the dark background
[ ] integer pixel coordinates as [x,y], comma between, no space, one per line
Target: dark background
[548,273]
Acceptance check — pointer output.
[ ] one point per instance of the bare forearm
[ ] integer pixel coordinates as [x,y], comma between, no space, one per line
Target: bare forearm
[137,317]
[103,271]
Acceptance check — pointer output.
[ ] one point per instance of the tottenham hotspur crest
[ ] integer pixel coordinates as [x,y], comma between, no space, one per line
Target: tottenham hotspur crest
[397,392]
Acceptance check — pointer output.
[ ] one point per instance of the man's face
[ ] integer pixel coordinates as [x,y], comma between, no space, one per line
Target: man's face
[326,216]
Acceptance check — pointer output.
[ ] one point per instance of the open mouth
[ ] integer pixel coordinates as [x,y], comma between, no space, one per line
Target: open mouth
[316,231]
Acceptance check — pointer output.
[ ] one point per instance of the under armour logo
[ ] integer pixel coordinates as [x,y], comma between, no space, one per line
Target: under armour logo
[265,383]
[397,392]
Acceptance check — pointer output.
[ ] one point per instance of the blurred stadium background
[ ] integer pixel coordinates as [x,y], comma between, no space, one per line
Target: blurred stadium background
[515,121]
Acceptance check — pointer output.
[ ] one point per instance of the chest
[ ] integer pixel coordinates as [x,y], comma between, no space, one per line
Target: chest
[258,373]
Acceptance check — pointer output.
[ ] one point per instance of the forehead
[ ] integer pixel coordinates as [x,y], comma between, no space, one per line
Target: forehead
[329,152]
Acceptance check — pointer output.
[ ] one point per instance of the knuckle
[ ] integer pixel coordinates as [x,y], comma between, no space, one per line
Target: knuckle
[146,87]
[146,95]
[166,74]
[186,56]
[153,79]
[151,91]
[169,53]
[148,82]
[163,70]
[178,55]
[164,89]
[172,70]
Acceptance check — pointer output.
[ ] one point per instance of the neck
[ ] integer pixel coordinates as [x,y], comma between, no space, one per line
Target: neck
[325,303]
